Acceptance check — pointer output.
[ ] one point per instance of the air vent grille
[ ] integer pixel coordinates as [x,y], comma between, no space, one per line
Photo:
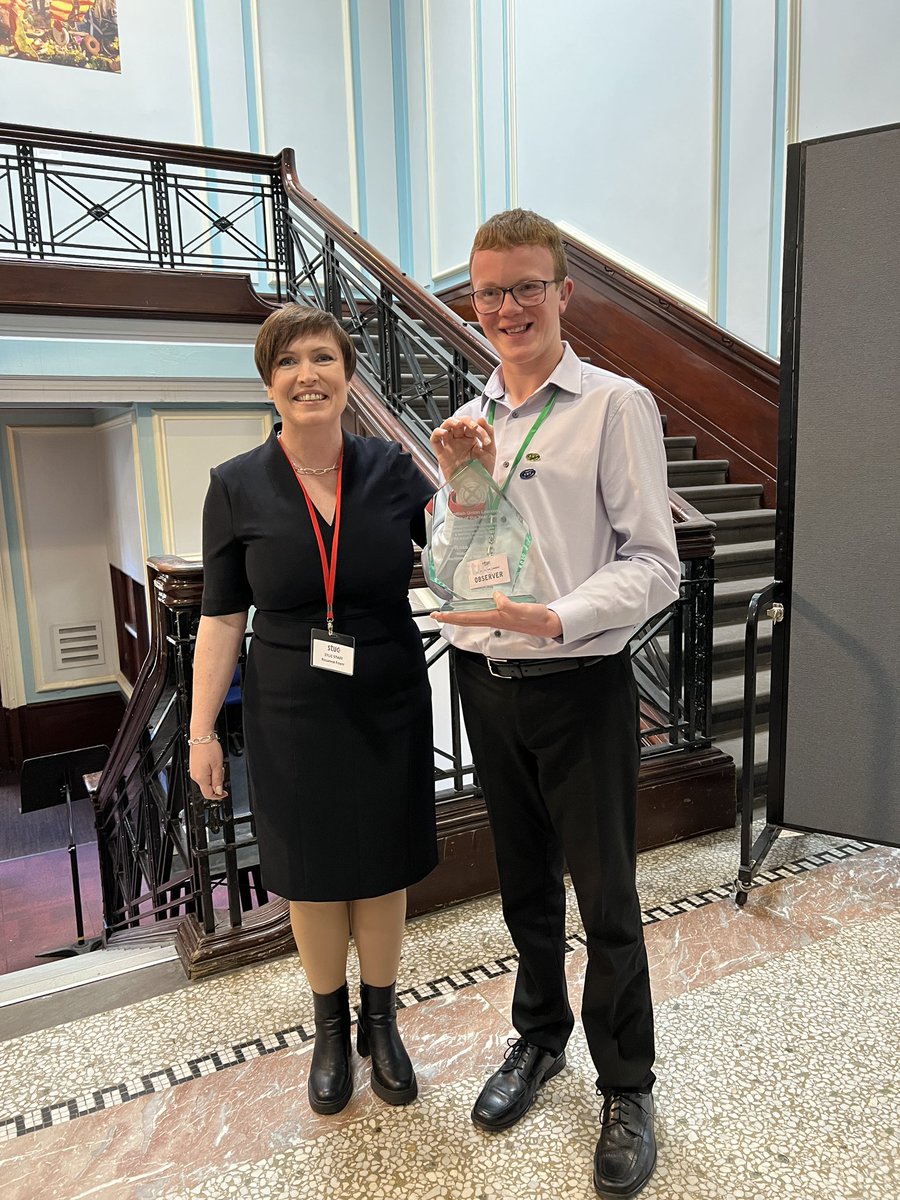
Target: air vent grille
[78,645]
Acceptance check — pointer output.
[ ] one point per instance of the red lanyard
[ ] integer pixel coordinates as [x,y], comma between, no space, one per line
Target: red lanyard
[329,570]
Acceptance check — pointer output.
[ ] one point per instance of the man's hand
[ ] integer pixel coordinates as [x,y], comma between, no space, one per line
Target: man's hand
[535,619]
[460,440]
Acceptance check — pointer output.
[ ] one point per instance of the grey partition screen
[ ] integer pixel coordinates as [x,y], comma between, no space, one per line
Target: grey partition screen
[834,760]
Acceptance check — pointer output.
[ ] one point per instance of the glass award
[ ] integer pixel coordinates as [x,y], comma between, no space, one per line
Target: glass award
[478,544]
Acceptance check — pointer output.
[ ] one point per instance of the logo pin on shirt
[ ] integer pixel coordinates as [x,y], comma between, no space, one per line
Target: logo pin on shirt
[532,457]
[529,474]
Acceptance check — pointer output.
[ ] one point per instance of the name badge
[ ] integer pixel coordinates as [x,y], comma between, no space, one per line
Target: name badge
[335,653]
[488,572]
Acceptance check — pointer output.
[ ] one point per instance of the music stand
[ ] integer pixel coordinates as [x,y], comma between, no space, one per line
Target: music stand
[58,779]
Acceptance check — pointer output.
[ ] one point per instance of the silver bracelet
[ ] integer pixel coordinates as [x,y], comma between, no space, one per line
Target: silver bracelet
[201,741]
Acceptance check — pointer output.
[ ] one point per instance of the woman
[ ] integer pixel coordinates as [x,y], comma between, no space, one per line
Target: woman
[314,529]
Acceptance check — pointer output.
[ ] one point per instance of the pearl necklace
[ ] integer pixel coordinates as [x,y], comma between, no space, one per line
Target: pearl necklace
[310,470]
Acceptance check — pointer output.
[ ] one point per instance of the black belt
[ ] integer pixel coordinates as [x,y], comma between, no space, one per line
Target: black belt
[526,668]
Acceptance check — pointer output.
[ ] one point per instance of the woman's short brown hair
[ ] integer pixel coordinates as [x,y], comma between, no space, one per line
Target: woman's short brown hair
[522,227]
[294,321]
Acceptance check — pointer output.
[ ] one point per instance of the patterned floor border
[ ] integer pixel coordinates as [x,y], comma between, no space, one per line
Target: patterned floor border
[297,1035]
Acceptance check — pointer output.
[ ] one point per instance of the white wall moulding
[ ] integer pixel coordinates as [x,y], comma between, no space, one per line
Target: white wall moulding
[97,392]
[126,528]
[122,329]
[187,445]
[194,68]
[12,679]
[511,117]
[635,268]
[746,203]
[452,130]
[461,270]
[718,152]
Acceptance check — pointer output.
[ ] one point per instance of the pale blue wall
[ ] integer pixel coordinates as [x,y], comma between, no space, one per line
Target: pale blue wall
[745,207]
[303,79]
[656,127]
[614,117]
[152,98]
[849,66]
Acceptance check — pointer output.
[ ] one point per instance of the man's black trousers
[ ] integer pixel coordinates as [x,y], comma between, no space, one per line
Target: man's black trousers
[557,756]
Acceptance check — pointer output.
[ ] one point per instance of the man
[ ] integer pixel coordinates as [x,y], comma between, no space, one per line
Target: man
[547,689]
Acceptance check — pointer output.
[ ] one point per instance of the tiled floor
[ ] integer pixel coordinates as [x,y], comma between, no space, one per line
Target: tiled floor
[777,1030]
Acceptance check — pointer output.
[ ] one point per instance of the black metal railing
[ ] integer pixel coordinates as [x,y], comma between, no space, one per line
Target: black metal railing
[75,199]
[164,850]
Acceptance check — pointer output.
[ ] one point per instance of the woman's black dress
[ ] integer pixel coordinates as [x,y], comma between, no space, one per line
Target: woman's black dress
[341,768]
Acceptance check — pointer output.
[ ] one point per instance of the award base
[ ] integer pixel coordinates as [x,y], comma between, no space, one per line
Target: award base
[482,604]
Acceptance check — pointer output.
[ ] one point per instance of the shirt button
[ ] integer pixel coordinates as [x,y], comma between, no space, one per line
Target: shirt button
[497,633]
[515,414]
[506,464]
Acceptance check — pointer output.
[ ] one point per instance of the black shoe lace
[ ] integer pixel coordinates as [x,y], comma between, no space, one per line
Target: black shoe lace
[621,1109]
[515,1049]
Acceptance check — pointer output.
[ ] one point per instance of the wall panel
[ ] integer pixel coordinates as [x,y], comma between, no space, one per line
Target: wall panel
[305,70]
[747,199]
[453,152]
[60,500]
[187,446]
[615,120]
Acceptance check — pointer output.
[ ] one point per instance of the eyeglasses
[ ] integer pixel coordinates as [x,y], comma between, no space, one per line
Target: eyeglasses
[526,294]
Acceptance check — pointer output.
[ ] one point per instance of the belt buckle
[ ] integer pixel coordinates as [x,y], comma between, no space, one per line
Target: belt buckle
[496,674]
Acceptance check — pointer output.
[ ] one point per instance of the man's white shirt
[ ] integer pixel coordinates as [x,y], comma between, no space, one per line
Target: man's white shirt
[593,491]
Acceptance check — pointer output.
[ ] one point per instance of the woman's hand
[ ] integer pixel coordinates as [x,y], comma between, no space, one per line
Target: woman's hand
[535,619]
[459,440]
[207,769]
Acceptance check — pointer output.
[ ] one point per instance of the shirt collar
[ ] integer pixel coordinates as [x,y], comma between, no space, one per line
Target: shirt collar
[566,375]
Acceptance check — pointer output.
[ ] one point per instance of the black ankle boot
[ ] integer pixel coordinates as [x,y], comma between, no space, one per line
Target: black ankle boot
[330,1083]
[393,1077]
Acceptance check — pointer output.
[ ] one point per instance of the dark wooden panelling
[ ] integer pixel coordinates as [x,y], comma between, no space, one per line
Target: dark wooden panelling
[10,738]
[708,383]
[58,725]
[682,796]
[130,605]
[47,287]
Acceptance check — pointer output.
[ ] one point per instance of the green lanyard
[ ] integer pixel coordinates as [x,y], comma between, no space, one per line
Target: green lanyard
[544,414]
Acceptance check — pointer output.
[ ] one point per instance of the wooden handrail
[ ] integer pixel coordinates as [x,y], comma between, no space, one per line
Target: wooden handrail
[175,583]
[118,147]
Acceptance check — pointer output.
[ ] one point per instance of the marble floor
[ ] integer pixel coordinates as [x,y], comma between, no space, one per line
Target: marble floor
[777,1034]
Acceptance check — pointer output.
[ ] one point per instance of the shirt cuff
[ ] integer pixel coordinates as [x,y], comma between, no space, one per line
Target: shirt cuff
[577,618]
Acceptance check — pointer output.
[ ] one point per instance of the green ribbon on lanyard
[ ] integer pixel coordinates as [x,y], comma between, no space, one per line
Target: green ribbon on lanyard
[544,414]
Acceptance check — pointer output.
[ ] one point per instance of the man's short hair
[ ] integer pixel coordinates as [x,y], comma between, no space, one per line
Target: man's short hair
[294,321]
[521,227]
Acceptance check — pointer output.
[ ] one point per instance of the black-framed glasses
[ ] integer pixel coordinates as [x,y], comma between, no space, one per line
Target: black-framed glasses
[526,294]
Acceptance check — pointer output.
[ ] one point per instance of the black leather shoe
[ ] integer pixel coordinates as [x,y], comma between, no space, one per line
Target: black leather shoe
[330,1083]
[393,1077]
[626,1152]
[510,1091]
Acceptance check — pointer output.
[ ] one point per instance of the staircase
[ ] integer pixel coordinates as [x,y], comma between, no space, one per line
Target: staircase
[744,563]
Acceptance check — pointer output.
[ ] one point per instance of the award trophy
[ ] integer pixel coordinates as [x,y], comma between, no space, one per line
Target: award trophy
[478,544]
